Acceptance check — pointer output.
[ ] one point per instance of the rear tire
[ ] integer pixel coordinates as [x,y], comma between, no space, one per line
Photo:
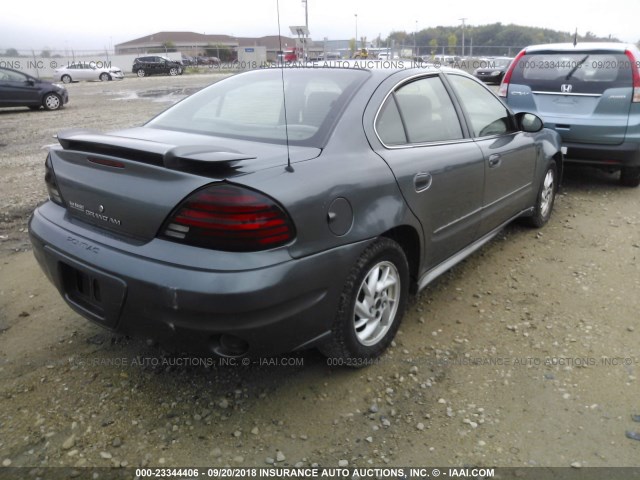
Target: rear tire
[372,304]
[66,79]
[546,197]
[630,176]
[141,73]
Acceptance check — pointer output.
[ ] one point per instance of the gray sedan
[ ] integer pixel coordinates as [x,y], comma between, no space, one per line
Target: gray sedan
[238,226]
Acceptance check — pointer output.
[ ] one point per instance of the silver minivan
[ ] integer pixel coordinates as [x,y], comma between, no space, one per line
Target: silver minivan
[590,94]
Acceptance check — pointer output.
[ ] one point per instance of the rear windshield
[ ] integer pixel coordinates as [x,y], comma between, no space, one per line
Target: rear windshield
[250,106]
[578,72]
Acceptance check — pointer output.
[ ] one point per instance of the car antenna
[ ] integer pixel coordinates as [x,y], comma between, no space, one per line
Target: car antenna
[284,98]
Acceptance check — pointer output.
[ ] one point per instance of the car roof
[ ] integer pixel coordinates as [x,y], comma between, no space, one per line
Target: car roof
[580,47]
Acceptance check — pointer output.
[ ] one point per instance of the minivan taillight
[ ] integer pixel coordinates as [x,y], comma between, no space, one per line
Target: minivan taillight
[635,68]
[504,86]
[229,218]
[52,183]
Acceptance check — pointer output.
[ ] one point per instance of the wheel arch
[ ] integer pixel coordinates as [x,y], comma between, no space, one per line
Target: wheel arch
[409,240]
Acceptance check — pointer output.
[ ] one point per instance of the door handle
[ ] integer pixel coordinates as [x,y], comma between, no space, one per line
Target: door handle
[422,181]
[494,160]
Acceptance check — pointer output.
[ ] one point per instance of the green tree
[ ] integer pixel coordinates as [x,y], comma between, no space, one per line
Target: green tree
[452,41]
[224,53]
[491,39]
[169,46]
[433,46]
[11,52]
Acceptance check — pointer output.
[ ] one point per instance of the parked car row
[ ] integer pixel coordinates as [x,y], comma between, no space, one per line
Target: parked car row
[199,60]
[18,89]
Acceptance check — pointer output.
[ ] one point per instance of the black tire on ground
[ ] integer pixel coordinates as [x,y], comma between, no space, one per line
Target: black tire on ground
[141,72]
[104,77]
[173,71]
[371,307]
[546,197]
[66,79]
[52,101]
[630,176]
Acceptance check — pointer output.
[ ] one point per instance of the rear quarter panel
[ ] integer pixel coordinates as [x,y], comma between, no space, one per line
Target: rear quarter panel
[347,168]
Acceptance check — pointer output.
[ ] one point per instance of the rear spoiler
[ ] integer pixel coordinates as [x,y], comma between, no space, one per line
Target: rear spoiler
[186,157]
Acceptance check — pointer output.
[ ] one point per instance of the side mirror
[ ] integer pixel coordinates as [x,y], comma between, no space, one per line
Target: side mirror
[30,82]
[528,122]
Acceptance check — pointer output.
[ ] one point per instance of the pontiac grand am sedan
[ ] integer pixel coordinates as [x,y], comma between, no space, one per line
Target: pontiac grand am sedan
[235,225]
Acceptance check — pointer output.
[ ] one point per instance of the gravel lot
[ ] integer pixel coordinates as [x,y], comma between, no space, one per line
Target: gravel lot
[524,355]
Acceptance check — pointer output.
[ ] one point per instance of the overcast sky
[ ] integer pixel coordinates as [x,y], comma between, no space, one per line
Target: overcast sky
[86,25]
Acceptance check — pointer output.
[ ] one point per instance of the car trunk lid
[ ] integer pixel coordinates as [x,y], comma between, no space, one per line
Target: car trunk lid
[128,182]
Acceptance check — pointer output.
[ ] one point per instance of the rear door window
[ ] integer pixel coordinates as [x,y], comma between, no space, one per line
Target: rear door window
[418,112]
[573,72]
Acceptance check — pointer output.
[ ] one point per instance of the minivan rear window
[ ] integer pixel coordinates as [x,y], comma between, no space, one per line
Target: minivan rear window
[578,72]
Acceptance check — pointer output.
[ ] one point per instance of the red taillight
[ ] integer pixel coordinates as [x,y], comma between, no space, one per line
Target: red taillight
[504,86]
[229,218]
[635,68]
[52,183]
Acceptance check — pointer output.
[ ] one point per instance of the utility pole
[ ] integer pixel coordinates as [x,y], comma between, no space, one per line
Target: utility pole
[356,15]
[306,24]
[462,20]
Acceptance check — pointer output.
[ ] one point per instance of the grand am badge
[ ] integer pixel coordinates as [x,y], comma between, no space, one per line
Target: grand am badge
[99,215]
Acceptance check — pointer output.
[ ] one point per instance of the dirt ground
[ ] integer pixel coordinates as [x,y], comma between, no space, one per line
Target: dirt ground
[524,355]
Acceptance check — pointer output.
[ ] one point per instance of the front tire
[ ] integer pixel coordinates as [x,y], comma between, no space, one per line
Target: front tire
[372,305]
[173,71]
[141,73]
[52,101]
[546,197]
[66,79]
[105,77]
[630,176]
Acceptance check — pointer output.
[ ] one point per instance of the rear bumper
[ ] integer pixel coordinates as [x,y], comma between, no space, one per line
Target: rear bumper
[624,155]
[273,309]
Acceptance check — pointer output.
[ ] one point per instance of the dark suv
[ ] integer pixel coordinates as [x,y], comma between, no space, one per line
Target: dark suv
[156,65]
[590,94]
